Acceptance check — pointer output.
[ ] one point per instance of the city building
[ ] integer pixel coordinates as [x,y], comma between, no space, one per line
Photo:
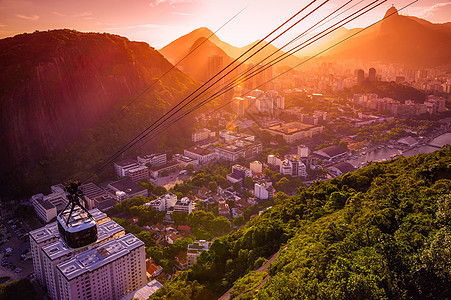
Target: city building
[47,207]
[110,271]
[164,202]
[184,160]
[121,166]
[294,131]
[104,202]
[202,155]
[195,249]
[90,192]
[340,169]
[215,65]
[331,153]
[183,205]
[126,188]
[241,148]
[49,234]
[372,74]
[274,160]
[137,173]
[292,165]
[256,167]
[264,190]
[200,135]
[144,292]
[155,160]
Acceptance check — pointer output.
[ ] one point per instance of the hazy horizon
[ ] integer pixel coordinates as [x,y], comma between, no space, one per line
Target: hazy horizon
[159,22]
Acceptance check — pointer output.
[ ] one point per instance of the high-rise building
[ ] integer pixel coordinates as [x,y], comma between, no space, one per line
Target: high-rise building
[372,74]
[215,64]
[86,255]
[360,76]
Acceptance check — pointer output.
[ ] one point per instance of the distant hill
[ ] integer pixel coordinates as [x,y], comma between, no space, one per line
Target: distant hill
[398,39]
[173,51]
[57,85]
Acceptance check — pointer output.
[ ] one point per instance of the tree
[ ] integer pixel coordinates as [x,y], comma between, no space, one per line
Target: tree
[221,224]
[190,168]
[237,186]
[19,289]
[179,218]
[239,220]
[150,186]
[160,190]
[165,173]
[283,185]
[248,182]
[213,186]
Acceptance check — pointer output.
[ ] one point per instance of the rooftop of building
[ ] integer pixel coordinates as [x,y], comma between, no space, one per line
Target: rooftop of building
[50,231]
[290,128]
[127,186]
[199,245]
[93,259]
[45,204]
[332,151]
[104,231]
[150,156]
[91,190]
[125,162]
[144,292]
[344,167]
[200,151]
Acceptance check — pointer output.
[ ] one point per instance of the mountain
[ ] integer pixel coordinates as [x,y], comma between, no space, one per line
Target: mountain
[399,39]
[380,232]
[196,64]
[173,51]
[57,85]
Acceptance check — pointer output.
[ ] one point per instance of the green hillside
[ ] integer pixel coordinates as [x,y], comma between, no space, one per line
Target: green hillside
[383,231]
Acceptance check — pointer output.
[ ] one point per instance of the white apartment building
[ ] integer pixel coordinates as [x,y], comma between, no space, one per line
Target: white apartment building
[137,173]
[264,190]
[49,234]
[120,167]
[184,205]
[110,271]
[200,135]
[155,160]
[164,202]
[203,156]
[256,167]
[293,166]
[195,249]
[47,207]
[59,252]
[274,160]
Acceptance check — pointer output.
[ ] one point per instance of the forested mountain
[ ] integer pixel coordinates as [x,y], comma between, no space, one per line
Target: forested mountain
[61,85]
[383,231]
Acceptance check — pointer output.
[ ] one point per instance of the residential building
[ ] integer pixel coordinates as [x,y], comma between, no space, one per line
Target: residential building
[274,160]
[164,202]
[200,135]
[238,149]
[144,292]
[183,205]
[47,207]
[294,131]
[292,165]
[155,160]
[120,167]
[202,155]
[264,190]
[256,167]
[137,173]
[126,188]
[49,234]
[90,192]
[195,249]
[110,271]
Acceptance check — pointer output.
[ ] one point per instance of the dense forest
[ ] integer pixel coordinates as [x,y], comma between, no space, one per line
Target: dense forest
[383,231]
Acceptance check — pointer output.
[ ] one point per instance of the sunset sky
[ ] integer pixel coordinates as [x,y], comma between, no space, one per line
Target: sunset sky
[159,22]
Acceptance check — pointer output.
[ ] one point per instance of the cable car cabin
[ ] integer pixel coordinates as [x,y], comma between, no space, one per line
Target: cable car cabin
[79,231]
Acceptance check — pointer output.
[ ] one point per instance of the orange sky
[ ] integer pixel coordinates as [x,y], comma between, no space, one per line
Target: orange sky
[158,22]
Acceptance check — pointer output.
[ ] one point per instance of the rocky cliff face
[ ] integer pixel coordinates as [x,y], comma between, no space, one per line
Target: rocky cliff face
[55,85]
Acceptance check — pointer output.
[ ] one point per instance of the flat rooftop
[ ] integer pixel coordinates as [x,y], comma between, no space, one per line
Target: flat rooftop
[290,128]
[50,231]
[93,259]
[144,292]
[104,231]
